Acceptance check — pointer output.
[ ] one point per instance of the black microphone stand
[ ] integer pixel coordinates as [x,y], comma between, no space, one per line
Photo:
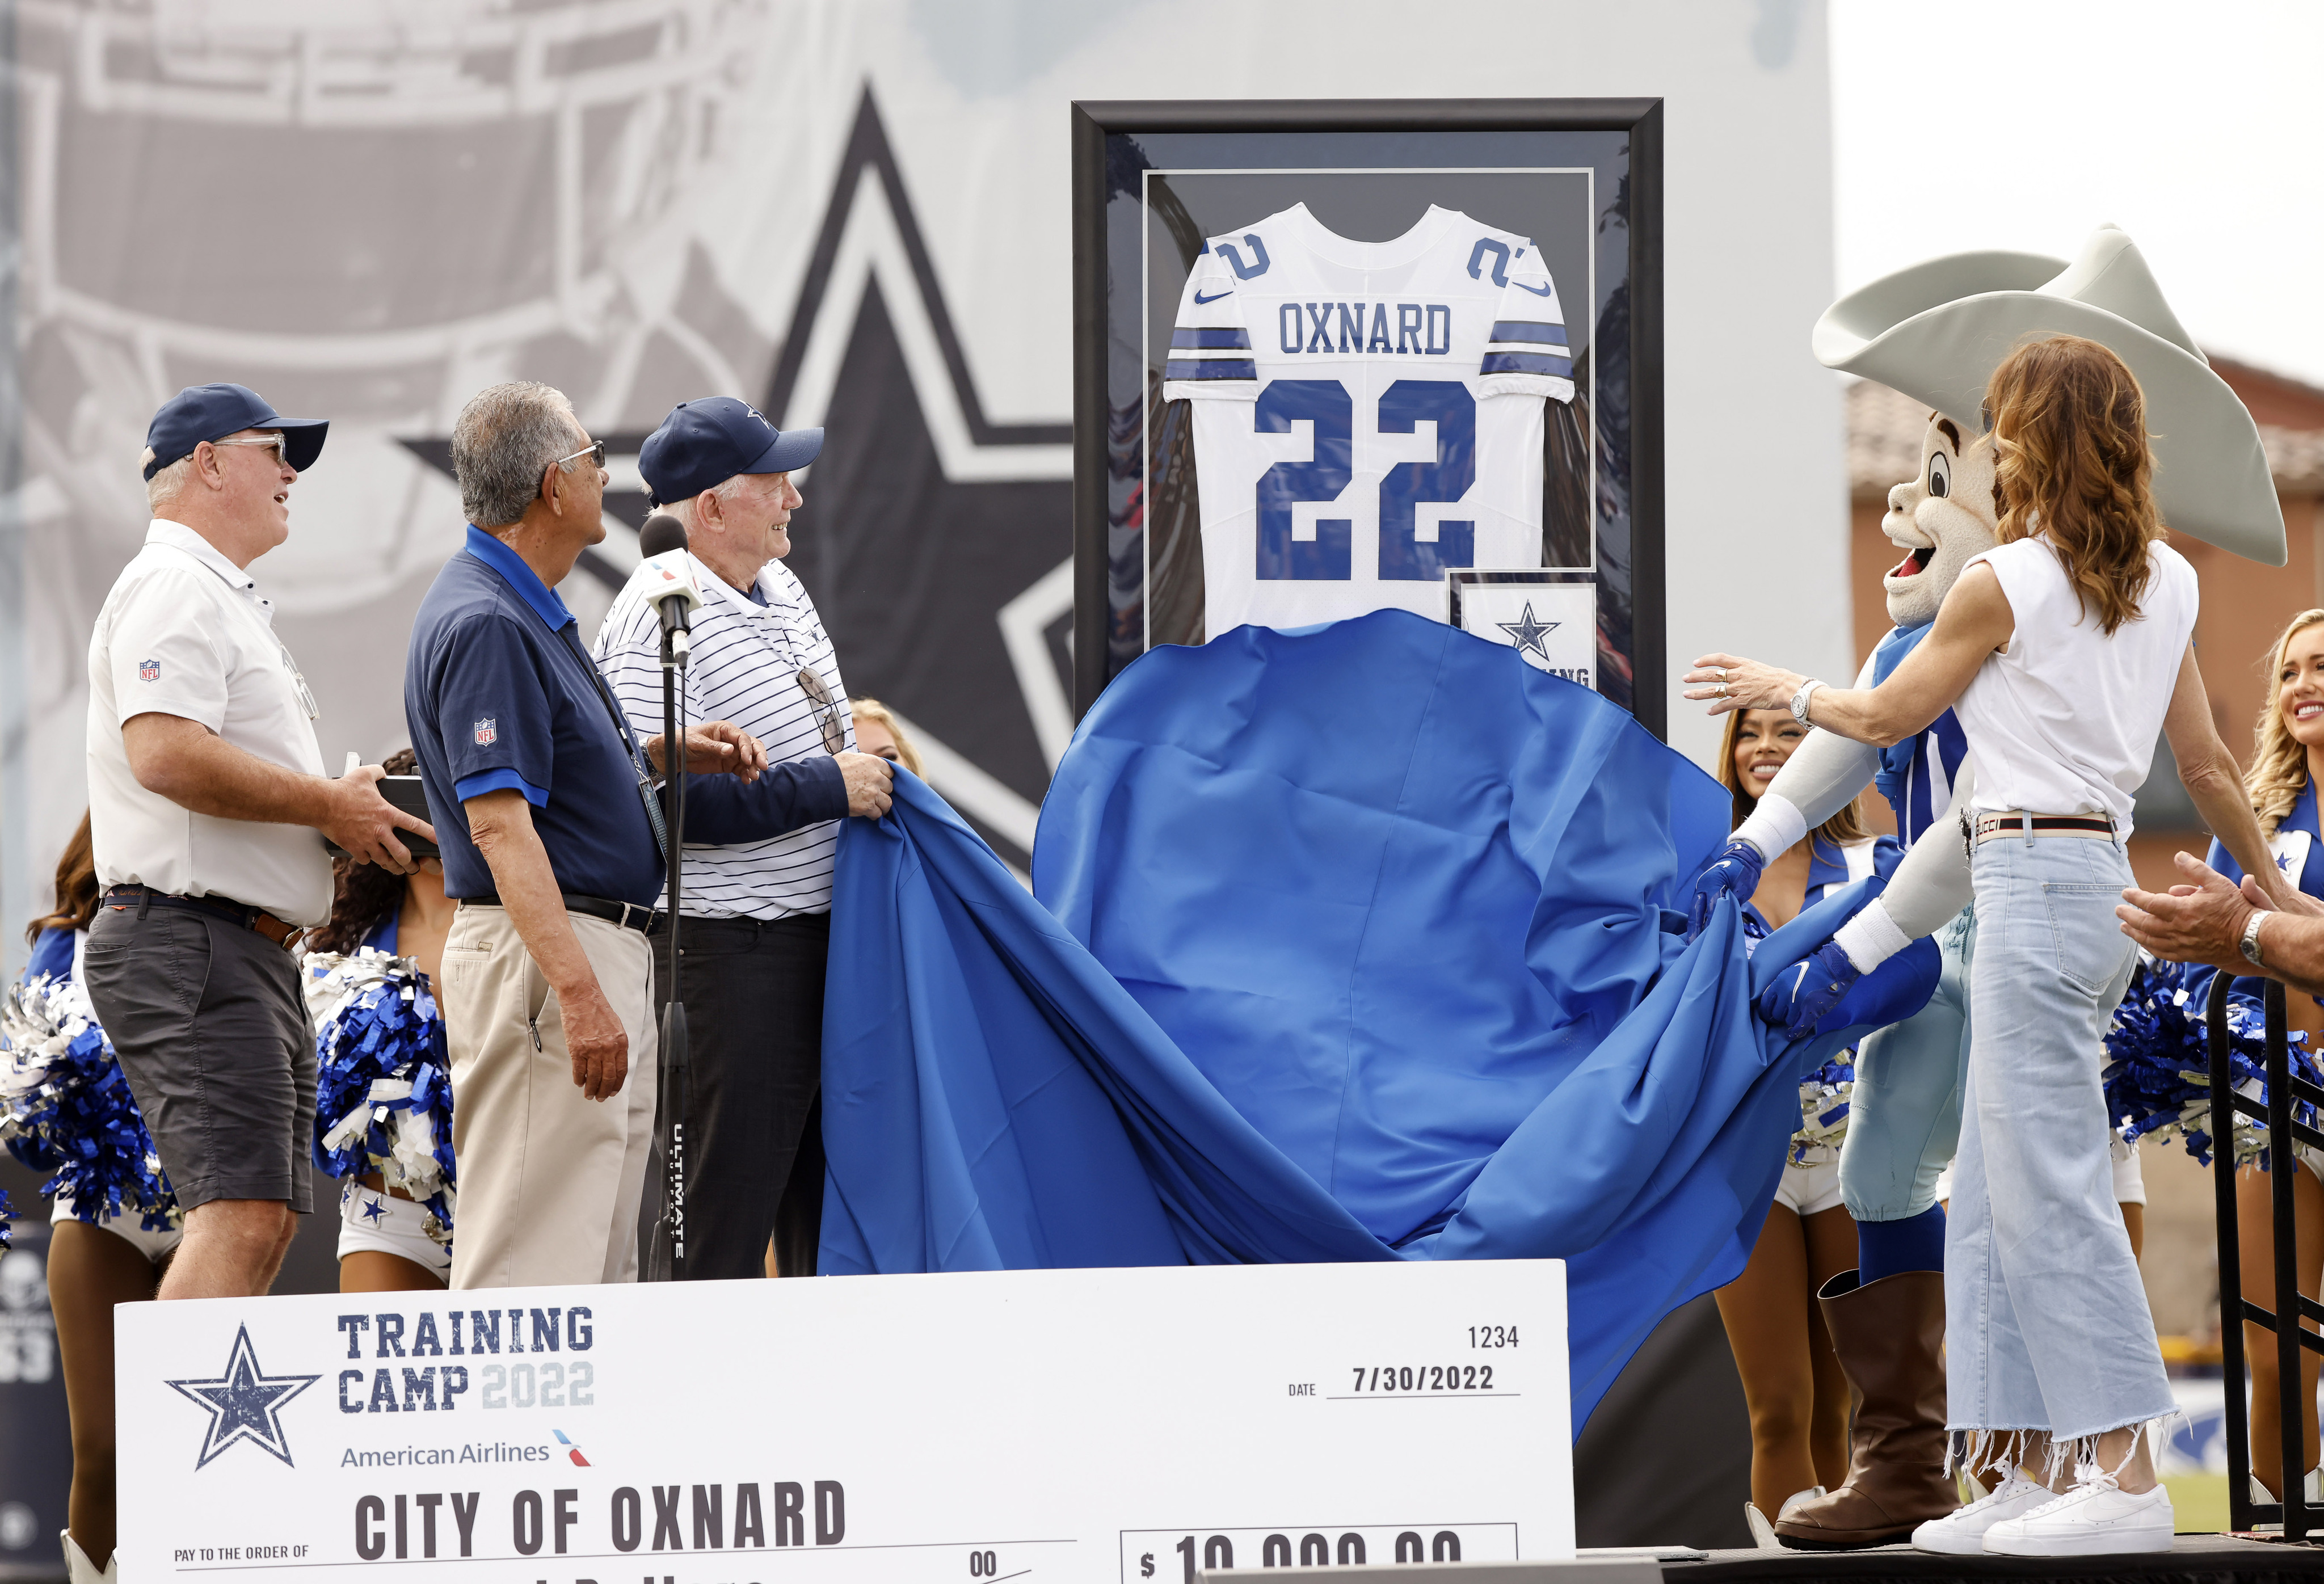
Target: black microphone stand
[675,650]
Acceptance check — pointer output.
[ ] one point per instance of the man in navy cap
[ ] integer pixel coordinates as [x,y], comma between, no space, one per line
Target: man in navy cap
[551,830]
[758,897]
[207,793]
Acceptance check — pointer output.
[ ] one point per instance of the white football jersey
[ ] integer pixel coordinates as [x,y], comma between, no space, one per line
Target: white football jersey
[1366,414]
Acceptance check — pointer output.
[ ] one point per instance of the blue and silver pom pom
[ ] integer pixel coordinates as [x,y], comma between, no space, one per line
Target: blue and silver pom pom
[1825,1095]
[66,1109]
[382,1080]
[2158,1070]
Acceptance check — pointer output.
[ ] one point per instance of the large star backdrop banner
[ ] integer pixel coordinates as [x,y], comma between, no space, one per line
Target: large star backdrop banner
[596,195]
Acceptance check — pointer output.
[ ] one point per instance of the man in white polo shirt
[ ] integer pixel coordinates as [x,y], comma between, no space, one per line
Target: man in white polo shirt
[759,856]
[206,793]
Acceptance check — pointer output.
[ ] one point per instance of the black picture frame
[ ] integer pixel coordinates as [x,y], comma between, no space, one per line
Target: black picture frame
[1639,449]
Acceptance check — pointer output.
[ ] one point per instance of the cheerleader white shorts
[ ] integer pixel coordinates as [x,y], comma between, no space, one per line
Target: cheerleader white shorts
[129,1227]
[372,1221]
[1809,1188]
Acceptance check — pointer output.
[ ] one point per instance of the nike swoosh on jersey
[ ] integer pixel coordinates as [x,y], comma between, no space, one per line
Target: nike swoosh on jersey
[1214,297]
[1547,288]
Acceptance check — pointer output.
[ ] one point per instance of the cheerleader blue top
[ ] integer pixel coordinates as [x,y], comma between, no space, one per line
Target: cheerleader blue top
[52,954]
[2295,846]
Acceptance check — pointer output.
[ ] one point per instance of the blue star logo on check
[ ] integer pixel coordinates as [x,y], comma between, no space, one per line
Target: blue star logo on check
[244,1403]
[376,1212]
[1526,632]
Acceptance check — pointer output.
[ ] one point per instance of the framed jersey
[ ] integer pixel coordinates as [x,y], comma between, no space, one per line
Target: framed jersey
[1331,356]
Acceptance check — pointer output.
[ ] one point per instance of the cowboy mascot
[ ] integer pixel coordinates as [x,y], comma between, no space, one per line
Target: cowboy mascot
[1936,332]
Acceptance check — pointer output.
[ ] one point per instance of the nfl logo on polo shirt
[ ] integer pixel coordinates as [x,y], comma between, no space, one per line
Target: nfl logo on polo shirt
[149,670]
[488,730]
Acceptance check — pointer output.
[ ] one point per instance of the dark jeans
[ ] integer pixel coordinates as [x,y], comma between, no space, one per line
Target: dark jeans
[212,1035]
[754,1166]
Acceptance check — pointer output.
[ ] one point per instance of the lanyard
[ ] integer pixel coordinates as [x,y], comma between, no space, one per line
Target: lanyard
[629,739]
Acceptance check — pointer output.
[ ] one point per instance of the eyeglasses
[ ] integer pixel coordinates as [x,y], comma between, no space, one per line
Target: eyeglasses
[274,443]
[826,710]
[595,452]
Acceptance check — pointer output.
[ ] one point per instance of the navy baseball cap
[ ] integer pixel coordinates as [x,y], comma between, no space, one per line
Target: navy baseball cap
[703,444]
[212,412]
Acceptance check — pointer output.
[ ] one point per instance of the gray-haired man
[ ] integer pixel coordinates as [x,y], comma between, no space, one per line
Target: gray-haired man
[546,813]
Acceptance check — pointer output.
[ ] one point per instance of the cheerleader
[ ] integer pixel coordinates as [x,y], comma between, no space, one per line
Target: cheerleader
[383,1099]
[117,1221]
[1791,1379]
[2282,783]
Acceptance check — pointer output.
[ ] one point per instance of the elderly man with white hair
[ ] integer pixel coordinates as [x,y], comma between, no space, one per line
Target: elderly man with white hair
[757,920]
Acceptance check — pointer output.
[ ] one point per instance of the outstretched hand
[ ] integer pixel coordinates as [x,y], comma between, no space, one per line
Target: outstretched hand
[1731,682]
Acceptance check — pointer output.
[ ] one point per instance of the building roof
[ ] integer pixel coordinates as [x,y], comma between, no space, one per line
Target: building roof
[1884,430]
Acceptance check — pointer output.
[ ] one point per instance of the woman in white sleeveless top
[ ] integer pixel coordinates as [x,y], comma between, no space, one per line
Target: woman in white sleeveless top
[2063,651]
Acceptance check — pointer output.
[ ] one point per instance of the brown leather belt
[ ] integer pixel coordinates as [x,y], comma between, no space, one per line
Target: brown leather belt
[1995,827]
[241,914]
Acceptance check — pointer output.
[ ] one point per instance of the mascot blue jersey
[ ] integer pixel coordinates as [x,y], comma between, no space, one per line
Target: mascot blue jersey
[1916,775]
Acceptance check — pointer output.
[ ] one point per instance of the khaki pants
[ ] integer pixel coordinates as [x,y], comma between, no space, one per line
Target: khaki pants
[551,1180]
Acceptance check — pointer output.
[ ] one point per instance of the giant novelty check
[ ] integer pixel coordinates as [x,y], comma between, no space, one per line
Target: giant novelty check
[1052,1426]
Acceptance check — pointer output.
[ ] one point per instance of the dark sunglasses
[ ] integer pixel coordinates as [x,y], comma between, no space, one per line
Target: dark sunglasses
[595,452]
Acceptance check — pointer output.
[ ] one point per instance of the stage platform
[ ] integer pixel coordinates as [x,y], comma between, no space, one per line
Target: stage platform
[2196,1559]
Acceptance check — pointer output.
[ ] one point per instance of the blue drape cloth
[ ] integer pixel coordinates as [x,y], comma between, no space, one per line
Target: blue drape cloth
[1358,943]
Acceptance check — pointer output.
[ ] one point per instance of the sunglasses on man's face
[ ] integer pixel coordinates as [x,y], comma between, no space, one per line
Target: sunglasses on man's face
[595,451]
[274,443]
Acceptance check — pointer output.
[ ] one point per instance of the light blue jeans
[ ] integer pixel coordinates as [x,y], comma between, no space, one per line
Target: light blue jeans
[1904,1120]
[2046,1324]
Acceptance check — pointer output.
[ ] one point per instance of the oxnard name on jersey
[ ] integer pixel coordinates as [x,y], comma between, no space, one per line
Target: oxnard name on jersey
[1340,328]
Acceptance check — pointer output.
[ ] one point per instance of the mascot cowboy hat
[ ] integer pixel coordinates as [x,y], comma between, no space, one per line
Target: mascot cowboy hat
[1937,331]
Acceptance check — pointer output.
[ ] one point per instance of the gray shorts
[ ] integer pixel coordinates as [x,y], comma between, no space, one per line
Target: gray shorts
[206,1019]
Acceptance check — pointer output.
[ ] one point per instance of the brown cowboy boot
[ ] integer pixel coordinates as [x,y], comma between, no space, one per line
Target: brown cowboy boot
[1890,1339]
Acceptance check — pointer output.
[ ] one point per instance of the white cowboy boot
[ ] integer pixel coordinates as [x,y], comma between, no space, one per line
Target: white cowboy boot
[79,1569]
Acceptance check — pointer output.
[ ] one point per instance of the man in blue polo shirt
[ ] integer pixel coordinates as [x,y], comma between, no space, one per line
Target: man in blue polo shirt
[545,808]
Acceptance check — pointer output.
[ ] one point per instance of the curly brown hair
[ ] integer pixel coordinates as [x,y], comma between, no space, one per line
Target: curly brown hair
[76,888]
[2070,431]
[361,894]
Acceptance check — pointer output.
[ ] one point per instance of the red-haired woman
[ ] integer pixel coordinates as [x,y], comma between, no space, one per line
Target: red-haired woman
[2063,651]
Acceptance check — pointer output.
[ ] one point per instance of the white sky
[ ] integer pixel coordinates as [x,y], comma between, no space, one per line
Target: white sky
[2022,123]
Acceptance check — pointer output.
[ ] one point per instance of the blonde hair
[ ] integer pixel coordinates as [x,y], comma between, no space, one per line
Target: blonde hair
[1846,826]
[2279,771]
[2072,461]
[872,709]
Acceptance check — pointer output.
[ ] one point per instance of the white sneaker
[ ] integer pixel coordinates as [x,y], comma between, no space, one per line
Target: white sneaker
[1961,1532]
[2098,1518]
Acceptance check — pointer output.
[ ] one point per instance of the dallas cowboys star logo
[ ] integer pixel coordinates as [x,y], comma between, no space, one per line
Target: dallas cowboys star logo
[1526,632]
[374,1211]
[244,1403]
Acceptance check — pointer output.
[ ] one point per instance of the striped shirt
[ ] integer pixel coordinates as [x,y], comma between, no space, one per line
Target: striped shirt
[745,669]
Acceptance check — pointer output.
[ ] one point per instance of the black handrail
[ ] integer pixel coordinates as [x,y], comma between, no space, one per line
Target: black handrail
[2235,1308]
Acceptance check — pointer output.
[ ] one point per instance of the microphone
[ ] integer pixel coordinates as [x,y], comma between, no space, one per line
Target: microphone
[667,582]
[660,534]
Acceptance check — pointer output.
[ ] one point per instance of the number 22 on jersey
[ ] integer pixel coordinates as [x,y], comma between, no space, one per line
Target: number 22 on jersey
[1403,489]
